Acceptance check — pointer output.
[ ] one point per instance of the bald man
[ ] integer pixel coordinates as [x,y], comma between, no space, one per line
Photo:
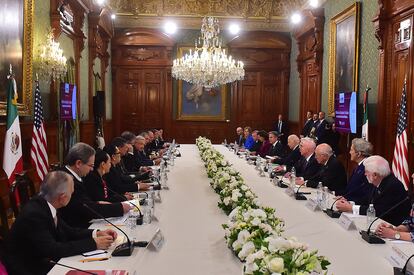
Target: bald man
[240,137]
[332,172]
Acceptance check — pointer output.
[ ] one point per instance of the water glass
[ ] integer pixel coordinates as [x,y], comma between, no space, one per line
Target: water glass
[147,213]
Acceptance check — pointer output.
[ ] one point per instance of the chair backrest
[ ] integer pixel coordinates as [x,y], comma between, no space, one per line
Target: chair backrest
[21,190]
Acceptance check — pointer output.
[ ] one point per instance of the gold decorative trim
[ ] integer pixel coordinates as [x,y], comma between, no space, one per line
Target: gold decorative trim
[353,10]
[25,108]
[180,116]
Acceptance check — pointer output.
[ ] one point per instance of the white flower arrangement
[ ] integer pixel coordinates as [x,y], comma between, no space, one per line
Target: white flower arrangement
[253,232]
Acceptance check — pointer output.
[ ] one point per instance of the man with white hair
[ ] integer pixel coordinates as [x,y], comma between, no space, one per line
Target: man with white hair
[389,191]
[332,173]
[287,162]
[307,166]
[39,234]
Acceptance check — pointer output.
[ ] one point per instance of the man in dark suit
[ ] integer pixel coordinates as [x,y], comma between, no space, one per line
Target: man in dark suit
[289,161]
[281,127]
[332,172]
[320,130]
[358,187]
[141,158]
[39,235]
[240,137]
[308,125]
[388,192]
[307,166]
[80,160]
[257,143]
[277,149]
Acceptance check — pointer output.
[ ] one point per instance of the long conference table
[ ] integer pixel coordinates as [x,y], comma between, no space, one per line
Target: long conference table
[190,221]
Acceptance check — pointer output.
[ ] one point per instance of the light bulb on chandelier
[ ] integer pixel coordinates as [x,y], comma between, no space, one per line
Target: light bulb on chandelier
[208,65]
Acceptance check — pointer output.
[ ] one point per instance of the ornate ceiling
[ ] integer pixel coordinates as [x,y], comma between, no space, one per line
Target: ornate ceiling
[252,14]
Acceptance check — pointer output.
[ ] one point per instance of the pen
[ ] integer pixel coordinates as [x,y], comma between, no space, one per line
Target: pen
[93,260]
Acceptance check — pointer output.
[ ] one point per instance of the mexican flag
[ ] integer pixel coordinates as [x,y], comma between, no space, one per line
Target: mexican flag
[365,122]
[12,157]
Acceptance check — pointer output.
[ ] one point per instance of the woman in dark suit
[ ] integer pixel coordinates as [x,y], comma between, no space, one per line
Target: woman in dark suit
[264,138]
[115,179]
[96,186]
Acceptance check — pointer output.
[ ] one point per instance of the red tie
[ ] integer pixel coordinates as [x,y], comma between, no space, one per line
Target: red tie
[105,187]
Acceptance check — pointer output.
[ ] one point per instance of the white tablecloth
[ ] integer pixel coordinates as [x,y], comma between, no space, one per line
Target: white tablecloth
[191,223]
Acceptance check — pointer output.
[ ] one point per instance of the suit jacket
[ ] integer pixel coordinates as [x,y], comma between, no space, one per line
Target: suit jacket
[331,175]
[321,132]
[34,239]
[141,159]
[240,140]
[283,132]
[307,169]
[129,163]
[290,159]
[248,144]
[307,128]
[358,188]
[277,150]
[95,187]
[77,215]
[264,148]
[118,182]
[256,146]
[389,193]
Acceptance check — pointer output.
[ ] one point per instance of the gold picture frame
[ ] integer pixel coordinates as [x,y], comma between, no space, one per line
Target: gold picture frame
[198,104]
[24,76]
[343,53]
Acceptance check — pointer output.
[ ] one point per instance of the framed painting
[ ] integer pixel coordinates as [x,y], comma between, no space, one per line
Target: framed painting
[195,103]
[16,46]
[343,53]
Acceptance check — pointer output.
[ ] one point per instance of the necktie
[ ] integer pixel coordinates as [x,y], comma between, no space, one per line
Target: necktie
[55,220]
[280,126]
[105,187]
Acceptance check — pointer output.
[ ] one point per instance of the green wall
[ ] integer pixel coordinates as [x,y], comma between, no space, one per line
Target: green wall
[368,58]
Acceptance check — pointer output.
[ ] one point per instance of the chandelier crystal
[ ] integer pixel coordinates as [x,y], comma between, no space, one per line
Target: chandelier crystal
[51,62]
[208,65]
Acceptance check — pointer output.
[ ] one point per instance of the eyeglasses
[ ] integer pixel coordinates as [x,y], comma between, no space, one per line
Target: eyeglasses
[90,165]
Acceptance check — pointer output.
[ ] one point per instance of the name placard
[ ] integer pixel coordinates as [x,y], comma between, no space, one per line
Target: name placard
[397,257]
[312,205]
[346,223]
[157,241]
[289,191]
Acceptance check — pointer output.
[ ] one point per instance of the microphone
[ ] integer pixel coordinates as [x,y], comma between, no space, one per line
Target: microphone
[399,271]
[372,238]
[71,267]
[299,196]
[336,214]
[124,249]
[140,218]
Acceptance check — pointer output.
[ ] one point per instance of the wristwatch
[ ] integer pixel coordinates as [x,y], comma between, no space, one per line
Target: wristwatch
[397,235]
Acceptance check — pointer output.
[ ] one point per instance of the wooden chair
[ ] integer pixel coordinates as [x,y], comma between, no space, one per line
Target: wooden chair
[24,189]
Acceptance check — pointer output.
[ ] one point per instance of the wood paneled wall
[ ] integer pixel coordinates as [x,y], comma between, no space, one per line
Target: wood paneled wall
[309,61]
[143,86]
[394,30]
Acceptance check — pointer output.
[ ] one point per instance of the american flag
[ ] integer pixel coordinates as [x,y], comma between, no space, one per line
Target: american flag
[38,151]
[399,163]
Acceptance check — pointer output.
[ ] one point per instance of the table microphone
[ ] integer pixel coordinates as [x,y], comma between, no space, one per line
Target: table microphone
[140,218]
[124,249]
[299,196]
[71,267]
[402,271]
[336,214]
[372,238]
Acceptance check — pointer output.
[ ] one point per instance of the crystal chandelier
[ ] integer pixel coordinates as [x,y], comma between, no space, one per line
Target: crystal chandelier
[51,62]
[208,65]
